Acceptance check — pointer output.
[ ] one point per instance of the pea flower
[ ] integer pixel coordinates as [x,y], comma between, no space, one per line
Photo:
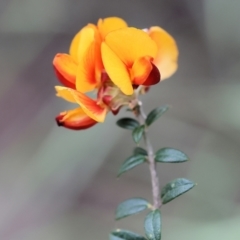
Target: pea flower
[110,60]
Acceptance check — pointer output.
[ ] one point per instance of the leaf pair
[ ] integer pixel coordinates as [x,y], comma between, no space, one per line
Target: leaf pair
[132,124]
[152,222]
[152,227]
[137,129]
[165,155]
[169,192]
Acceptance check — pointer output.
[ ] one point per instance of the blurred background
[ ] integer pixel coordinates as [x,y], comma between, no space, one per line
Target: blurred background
[57,184]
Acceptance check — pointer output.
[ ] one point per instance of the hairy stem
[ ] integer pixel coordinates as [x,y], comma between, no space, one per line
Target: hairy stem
[152,165]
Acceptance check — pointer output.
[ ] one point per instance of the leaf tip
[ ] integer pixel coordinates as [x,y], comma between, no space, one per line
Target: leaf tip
[118,175]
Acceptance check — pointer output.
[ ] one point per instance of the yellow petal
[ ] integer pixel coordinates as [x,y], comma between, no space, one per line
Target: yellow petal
[64,93]
[73,51]
[90,63]
[107,25]
[167,56]
[80,40]
[130,44]
[141,70]
[116,70]
[86,39]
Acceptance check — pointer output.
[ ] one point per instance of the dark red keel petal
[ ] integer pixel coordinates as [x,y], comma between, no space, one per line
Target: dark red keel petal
[75,119]
[154,77]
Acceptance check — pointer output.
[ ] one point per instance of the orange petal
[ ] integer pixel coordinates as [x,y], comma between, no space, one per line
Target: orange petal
[116,70]
[86,38]
[75,119]
[141,70]
[79,40]
[89,106]
[167,56]
[90,62]
[154,77]
[66,69]
[86,80]
[107,25]
[130,44]
[73,51]
[64,93]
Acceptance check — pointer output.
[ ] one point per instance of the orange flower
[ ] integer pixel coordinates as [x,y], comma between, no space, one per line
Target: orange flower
[81,71]
[110,59]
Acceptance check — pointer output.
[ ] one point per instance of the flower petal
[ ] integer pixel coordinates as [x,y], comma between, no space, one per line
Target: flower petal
[90,106]
[64,93]
[79,41]
[107,25]
[154,77]
[86,80]
[116,70]
[90,63]
[167,56]
[66,69]
[75,119]
[87,36]
[130,44]
[141,70]
[73,51]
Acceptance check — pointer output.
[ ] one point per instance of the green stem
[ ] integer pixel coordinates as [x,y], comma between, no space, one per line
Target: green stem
[152,165]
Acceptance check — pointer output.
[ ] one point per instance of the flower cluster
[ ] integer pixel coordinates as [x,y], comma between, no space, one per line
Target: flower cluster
[111,60]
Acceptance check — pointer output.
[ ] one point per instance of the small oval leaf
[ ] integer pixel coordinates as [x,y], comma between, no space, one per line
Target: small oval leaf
[138,133]
[155,114]
[175,188]
[153,225]
[170,155]
[131,162]
[128,123]
[141,151]
[130,207]
[125,235]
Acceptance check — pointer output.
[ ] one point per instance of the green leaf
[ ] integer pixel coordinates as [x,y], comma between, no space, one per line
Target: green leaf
[175,188]
[128,123]
[138,133]
[153,225]
[155,114]
[141,151]
[130,207]
[131,162]
[170,155]
[125,235]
